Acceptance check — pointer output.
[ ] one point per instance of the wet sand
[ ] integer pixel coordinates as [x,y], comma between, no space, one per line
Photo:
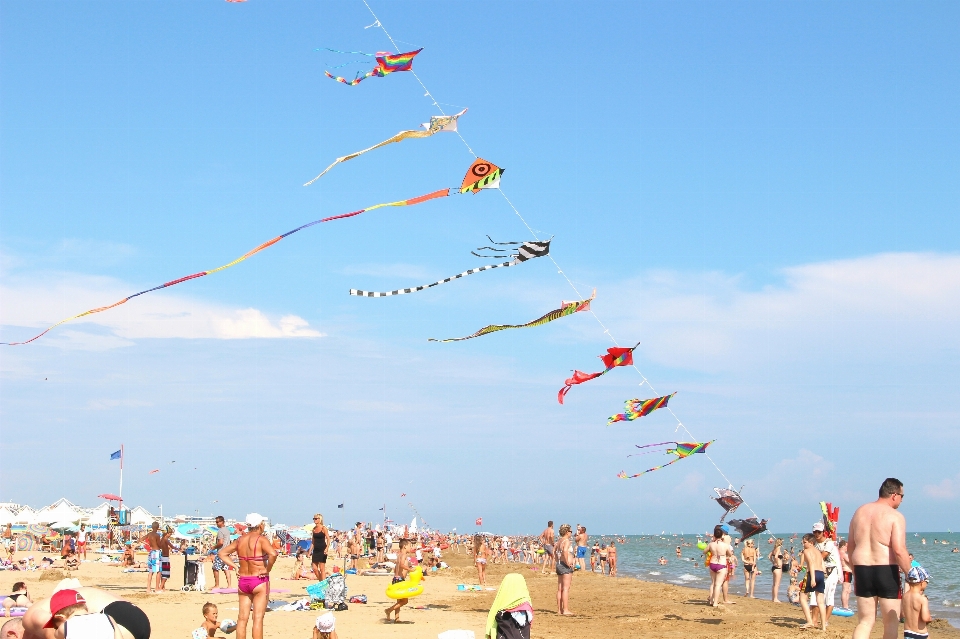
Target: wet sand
[604,607]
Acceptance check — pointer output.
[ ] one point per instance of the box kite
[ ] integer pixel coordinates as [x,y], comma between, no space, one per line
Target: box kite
[681,449]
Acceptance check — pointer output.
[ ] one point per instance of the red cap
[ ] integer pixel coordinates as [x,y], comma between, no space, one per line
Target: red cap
[60,600]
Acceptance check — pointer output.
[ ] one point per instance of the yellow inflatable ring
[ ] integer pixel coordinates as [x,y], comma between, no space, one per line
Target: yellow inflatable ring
[408,588]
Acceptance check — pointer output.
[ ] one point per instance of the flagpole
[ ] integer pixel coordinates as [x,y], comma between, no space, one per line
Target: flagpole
[120,494]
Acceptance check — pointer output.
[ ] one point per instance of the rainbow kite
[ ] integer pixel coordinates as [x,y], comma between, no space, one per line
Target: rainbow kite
[470,183]
[682,450]
[637,408]
[387,63]
[614,357]
[566,308]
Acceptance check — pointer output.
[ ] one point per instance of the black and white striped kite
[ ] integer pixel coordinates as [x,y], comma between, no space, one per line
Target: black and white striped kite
[526,251]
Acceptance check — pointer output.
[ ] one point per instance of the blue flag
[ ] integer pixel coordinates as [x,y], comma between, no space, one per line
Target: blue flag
[115,455]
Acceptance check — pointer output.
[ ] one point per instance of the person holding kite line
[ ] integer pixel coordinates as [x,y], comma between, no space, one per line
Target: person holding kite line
[720,553]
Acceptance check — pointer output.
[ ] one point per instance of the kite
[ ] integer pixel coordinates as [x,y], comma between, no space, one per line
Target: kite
[387,63]
[749,527]
[484,167]
[481,175]
[437,124]
[527,251]
[682,450]
[831,516]
[566,308]
[154,471]
[729,499]
[614,357]
[637,408]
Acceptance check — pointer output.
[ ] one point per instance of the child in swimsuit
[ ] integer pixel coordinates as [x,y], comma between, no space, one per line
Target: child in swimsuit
[813,581]
[916,608]
[210,624]
[326,627]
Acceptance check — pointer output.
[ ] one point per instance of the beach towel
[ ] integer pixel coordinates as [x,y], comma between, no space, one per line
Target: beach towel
[511,594]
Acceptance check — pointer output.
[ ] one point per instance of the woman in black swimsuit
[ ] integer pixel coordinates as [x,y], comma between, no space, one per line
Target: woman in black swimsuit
[565,560]
[319,547]
[18,598]
[776,558]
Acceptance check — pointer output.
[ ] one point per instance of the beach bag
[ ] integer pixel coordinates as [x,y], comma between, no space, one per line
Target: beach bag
[318,590]
[336,590]
[509,628]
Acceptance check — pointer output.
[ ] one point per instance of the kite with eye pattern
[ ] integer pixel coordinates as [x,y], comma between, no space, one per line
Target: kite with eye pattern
[566,308]
[437,124]
[526,251]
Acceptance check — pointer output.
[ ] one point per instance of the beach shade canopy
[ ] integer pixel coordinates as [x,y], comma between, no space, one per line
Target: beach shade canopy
[110,497]
[299,533]
[62,525]
[6,517]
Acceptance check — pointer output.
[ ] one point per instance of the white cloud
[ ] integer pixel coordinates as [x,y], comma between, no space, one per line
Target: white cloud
[893,307]
[946,489]
[39,302]
[799,479]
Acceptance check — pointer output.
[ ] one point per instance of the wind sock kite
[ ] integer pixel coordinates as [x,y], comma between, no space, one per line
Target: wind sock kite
[729,499]
[749,527]
[637,408]
[437,124]
[566,308]
[614,357]
[682,450]
[527,251]
[387,63]
[481,175]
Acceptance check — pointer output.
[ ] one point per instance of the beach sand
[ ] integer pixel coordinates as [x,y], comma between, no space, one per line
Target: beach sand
[605,607]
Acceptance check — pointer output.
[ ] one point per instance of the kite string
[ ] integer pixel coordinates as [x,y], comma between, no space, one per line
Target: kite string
[427,93]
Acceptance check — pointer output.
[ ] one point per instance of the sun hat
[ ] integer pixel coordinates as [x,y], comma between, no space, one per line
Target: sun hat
[254,519]
[326,622]
[60,600]
[818,527]
[917,574]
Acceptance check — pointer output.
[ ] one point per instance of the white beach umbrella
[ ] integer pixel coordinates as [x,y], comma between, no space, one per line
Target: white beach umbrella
[7,517]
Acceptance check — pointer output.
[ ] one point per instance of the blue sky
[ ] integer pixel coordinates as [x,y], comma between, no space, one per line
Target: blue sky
[764,194]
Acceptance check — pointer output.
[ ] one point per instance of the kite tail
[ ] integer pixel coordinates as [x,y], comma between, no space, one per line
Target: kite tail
[403,291]
[350,83]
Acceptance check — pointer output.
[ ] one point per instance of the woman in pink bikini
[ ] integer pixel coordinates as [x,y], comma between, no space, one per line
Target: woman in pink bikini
[720,555]
[257,557]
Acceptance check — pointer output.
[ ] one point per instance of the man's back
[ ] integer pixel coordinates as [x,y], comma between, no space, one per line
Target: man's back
[874,528]
[547,536]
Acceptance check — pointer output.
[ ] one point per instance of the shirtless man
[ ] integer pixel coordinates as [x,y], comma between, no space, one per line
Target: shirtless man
[166,549]
[877,547]
[152,539]
[400,572]
[581,540]
[847,574]
[916,608]
[547,539]
[813,581]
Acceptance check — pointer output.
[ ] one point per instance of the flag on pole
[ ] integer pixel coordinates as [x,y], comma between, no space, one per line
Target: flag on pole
[339,505]
[116,455]
[479,521]
[403,494]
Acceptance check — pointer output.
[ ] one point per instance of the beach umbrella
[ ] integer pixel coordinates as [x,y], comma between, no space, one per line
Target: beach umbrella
[38,530]
[62,525]
[110,497]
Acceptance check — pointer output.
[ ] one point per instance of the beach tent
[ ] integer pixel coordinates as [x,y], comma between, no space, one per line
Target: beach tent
[26,516]
[413,525]
[60,510]
[98,516]
[140,517]
[7,516]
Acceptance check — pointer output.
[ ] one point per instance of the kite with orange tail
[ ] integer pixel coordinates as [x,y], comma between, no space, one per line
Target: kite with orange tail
[614,357]
[481,175]
[681,449]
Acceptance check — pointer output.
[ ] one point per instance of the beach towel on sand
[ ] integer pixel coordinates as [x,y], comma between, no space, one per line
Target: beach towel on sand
[511,594]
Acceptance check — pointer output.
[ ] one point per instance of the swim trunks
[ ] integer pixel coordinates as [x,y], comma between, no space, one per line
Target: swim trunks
[547,548]
[130,617]
[847,577]
[396,579]
[581,552]
[153,561]
[877,581]
[164,567]
[818,584]
[218,564]
[910,634]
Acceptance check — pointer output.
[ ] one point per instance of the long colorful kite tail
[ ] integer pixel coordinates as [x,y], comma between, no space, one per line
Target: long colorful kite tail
[682,451]
[567,308]
[267,244]
[438,124]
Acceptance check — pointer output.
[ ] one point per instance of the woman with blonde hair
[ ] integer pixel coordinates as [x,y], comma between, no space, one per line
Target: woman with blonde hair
[749,555]
[776,557]
[257,558]
[564,554]
[318,546]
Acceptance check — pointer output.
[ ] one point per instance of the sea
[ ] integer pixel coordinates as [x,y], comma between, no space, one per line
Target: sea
[638,558]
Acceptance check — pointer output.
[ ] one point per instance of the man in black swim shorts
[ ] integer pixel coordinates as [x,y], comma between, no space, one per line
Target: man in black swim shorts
[877,547]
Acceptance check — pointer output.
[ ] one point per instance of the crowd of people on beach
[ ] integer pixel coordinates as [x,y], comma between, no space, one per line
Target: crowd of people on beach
[872,562]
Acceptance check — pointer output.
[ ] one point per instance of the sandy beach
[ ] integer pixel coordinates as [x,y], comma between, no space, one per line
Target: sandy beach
[605,607]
